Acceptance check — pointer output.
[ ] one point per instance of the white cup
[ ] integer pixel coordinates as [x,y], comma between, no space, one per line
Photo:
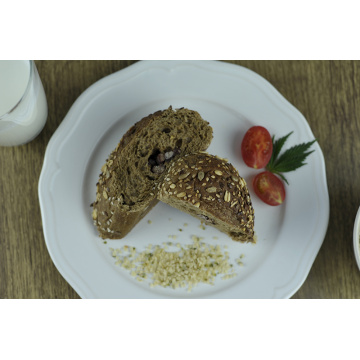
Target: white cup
[23,105]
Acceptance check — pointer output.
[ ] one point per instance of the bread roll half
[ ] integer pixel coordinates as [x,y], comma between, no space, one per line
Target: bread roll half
[212,190]
[128,183]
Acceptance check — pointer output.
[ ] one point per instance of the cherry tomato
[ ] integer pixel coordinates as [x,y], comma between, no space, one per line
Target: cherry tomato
[256,147]
[269,188]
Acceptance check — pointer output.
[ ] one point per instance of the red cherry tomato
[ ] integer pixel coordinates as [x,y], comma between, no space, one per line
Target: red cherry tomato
[256,147]
[269,188]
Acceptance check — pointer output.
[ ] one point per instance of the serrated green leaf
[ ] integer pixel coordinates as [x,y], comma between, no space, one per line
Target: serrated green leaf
[277,146]
[282,177]
[291,159]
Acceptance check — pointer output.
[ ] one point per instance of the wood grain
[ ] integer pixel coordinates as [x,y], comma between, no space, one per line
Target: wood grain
[327,93]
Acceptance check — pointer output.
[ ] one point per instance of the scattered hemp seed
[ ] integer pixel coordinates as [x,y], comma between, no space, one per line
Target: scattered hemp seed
[239,260]
[184,267]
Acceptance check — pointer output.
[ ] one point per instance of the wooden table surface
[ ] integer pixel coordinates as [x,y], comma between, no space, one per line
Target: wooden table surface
[327,93]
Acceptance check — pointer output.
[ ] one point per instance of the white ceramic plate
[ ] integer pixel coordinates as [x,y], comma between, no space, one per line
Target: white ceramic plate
[232,99]
[356,238]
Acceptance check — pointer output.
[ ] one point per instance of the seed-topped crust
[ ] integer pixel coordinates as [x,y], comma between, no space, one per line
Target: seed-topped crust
[128,184]
[212,191]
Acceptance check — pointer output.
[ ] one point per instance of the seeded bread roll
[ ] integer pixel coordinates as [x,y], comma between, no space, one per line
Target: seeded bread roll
[128,183]
[212,190]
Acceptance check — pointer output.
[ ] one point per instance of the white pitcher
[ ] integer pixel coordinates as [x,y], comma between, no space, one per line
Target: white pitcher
[23,105]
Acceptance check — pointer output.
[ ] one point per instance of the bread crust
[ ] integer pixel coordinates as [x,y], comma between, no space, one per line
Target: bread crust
[212,190]
[127,186]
